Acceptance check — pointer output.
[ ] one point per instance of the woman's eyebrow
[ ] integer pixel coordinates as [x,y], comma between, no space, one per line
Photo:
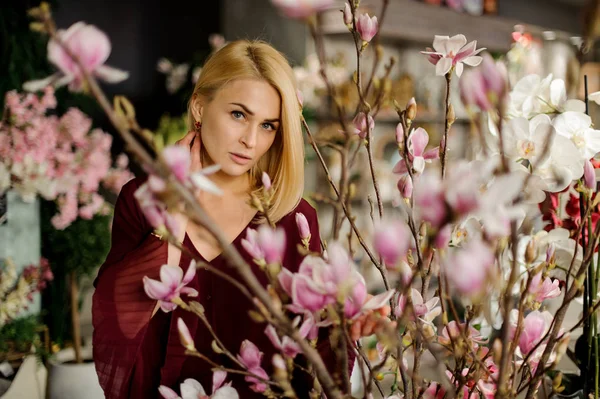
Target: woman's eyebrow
[252,113]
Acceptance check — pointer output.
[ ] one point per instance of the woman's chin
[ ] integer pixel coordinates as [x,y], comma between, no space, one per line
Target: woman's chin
[233,170]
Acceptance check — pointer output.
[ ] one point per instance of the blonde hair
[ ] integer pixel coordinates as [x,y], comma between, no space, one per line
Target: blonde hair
[284,161]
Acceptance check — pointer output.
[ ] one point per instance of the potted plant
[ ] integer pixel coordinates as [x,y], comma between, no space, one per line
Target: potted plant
[18,332]
[68,163]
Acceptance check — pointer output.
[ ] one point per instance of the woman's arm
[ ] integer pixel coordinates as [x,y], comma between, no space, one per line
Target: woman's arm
[121,310]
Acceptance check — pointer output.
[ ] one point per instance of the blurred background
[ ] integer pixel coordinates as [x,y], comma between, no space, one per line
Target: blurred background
[163,44]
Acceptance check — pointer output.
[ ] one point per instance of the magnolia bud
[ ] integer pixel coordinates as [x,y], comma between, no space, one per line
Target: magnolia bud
[589,175]
[215,347]
[184,335]
[411,109]
[399,134]
[347,13]
[451,116]
[530,252]
[266,181]
[405,186]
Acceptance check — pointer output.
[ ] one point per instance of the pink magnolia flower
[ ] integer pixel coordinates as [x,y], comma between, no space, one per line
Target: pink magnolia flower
[469,268]
[179,160]
[250,356]
[391,241]
[265,244]
[154,210]
[360,124]
[305,293]
[250,244]
[451,52]
[589,175]
[405,186]
[303,227]
[192,389]
[287,345]
[272,243]
[417,156]
[535,325]
[427,311]
[428,199]
[171,285]
[300,9]
[484,87]
[542,290]
[457,332]
[358,301]
[91,46]
[367,27]
[266,181]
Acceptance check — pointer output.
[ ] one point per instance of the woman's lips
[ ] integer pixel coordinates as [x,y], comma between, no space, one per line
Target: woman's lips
[239,158]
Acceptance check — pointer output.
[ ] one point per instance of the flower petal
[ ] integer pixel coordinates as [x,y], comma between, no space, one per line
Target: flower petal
[171,275]
[110,74]
[473,60]
[218,379]
[379,301]
[191,389]
[443,66]
[205,184]
[155,289]
[418,141]
[37,85]
[167,393]
[190,273]
[226,393]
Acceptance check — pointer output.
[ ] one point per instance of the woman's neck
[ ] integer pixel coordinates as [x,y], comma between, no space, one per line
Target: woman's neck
[232,186]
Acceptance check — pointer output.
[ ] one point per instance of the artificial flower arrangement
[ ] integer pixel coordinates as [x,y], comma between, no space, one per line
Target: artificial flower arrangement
[61,159]
[469,272]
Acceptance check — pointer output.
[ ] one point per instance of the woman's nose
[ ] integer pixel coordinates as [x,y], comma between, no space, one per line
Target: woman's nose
[249,136]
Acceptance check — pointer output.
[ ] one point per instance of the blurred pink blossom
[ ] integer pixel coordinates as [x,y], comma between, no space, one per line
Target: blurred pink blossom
[91,46]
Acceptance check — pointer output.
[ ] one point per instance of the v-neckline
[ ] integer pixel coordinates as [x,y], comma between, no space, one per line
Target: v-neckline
[193,246]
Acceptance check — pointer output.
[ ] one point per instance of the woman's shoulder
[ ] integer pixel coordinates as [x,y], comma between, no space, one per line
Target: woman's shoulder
[131,186]
[303,207]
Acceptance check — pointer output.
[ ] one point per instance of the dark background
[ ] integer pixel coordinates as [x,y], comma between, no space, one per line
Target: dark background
[141,31]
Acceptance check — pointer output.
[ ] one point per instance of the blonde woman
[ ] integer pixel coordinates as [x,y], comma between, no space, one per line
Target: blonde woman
[244,116]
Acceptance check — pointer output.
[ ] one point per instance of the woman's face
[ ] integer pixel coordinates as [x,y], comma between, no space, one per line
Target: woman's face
[239,125]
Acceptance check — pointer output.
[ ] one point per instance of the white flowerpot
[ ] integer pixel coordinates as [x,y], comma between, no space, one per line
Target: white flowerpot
[69,380]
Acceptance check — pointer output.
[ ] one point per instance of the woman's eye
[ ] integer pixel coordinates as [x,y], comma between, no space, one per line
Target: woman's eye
[268,126]
[237,114]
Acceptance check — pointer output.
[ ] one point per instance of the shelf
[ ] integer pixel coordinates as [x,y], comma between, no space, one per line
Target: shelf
[417,22]
[392,118]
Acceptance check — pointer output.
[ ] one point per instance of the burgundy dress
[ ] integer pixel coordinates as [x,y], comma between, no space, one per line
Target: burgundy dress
[134,353]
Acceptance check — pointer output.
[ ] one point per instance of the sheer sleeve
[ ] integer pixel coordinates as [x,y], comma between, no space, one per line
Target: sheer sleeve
[121,310]
[323,343]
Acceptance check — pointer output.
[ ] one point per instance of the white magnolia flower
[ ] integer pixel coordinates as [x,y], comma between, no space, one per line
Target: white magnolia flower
[526,140]
[525,96]
[595,97]
[467,230]
[577,127]
[535,190]
[557,98]
[496,210]
[562,166]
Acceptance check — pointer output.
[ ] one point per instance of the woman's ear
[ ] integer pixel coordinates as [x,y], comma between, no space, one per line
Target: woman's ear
[197,106]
